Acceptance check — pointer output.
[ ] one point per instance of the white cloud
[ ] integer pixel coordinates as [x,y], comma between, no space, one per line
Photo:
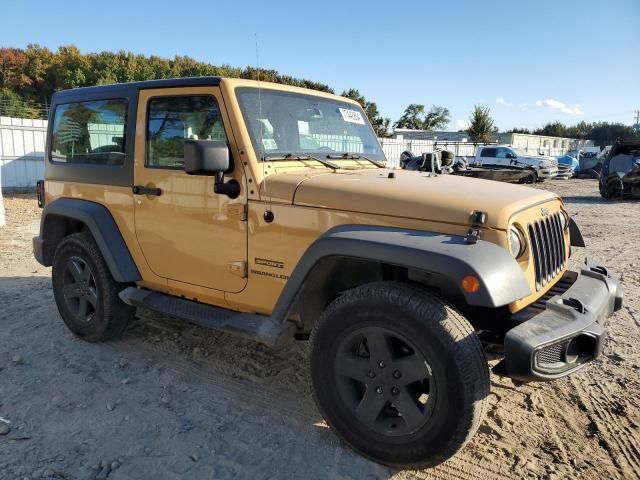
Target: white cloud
[501,101]
[558,105]
[461,124]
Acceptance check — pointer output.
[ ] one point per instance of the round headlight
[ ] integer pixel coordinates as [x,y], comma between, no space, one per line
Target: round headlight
[516,244]
[564,219]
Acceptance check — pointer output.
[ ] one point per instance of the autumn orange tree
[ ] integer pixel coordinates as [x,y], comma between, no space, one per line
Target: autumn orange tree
[28,77]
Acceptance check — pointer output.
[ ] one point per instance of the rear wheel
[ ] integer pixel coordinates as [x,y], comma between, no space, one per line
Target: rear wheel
[85,292]
[399,374]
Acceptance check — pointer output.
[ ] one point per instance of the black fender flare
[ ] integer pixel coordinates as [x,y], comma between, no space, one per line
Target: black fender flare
[502,280]
[575,235]
[102,226]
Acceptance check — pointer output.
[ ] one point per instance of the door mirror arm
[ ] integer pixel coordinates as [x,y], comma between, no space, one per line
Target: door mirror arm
[231,188]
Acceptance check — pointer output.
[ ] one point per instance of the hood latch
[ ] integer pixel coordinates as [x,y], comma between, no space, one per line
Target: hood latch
[477,220]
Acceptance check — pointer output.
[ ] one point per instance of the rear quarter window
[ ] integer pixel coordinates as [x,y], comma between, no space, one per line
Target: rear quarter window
[91,132]
[488,152]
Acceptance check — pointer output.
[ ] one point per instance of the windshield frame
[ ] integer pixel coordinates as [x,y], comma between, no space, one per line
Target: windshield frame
[261,152]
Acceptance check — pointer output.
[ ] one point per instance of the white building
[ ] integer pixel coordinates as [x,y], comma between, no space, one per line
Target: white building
[553,146]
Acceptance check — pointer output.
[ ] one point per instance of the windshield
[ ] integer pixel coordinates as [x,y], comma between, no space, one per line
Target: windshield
[281,123]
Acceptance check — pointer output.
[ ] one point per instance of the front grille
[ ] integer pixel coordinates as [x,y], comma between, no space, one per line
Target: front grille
[548,248]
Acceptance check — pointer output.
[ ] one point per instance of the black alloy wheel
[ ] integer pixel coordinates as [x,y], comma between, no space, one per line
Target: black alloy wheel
[385,380]
[79,289]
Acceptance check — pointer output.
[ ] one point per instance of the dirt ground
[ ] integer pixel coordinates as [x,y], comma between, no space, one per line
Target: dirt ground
[171,400]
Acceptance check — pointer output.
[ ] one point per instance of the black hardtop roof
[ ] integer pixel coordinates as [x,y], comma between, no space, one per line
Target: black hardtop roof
[124,89]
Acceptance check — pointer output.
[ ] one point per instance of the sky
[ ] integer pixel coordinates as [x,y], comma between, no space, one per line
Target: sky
[529,62]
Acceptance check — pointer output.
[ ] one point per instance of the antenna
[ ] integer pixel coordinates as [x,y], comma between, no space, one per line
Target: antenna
[268,214]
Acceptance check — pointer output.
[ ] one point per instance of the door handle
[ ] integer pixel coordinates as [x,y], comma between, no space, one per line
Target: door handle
[140,190]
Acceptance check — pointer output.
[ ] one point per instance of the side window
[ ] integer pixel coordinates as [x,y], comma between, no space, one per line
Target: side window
[488,152]
[89,132]
[501,152]
[171,120]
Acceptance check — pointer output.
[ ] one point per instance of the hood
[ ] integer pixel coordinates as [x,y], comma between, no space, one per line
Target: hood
[538,158]
[417,195]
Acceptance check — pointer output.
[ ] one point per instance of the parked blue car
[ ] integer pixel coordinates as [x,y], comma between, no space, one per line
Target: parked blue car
[569,162]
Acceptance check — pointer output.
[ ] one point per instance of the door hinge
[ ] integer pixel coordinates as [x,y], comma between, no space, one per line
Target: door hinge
[238,268]
[237,210]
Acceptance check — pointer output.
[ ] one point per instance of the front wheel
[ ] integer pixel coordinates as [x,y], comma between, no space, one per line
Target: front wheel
[399,374]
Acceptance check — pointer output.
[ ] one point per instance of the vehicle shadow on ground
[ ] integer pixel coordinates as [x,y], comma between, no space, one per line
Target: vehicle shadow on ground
[168,399]
[165,400]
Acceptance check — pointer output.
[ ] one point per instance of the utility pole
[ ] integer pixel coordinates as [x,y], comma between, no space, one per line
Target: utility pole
[637,124]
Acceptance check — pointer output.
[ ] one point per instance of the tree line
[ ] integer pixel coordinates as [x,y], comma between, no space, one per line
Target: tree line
[28,78]
[602,133]
[482,130]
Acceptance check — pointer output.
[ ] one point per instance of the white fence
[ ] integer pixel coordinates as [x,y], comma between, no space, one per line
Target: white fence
[21,152]
[394,147]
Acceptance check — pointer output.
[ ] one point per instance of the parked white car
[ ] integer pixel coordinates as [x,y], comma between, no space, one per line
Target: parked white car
[546,167]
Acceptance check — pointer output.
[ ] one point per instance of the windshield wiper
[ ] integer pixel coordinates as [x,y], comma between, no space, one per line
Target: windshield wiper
[356,156]
[298,156]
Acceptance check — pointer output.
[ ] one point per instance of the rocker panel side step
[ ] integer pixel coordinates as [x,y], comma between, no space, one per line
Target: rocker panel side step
[252,326]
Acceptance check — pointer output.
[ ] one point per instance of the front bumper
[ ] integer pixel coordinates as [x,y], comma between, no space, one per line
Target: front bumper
[547,172]
[568,332]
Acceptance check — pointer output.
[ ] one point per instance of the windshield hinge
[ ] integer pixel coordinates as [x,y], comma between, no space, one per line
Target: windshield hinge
[237,210]
[238,268]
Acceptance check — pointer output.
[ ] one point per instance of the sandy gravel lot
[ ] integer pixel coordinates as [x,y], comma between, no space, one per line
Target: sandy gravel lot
[171,400]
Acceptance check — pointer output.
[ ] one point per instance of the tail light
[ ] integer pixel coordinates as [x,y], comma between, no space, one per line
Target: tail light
[40,192]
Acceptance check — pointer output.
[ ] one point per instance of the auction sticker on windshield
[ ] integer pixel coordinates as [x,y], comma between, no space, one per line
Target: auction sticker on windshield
[269,144]
[351,116]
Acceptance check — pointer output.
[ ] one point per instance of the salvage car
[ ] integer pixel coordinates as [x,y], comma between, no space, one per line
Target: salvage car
[505,155]
[267,211]
[444,162]
[620,171]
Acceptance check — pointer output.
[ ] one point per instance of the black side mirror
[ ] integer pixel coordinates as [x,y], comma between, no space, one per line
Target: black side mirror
[206,157]
[510,155]
[210,157]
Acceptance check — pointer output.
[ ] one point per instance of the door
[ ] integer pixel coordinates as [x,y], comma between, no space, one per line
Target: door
[187,233]
[488,156]
[502,156]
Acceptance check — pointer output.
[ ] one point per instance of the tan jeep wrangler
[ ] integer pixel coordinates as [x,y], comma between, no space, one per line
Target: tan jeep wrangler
[266,211]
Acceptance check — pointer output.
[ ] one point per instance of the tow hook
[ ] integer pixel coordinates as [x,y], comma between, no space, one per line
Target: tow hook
[574,303]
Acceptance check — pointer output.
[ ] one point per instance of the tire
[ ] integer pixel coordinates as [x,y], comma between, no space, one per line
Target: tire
[529,179]
[603,190]
[447,157]
[426,339]
[80,277]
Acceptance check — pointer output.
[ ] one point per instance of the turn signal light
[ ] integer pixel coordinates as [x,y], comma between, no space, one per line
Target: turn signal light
[471,284]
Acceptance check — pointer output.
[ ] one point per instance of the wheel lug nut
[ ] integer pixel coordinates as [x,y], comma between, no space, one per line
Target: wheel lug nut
[371,374]
[379,390]
[381,364]
[397,374]
[395,391]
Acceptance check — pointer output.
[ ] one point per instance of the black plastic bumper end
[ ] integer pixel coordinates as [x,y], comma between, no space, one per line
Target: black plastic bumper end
[568,333]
